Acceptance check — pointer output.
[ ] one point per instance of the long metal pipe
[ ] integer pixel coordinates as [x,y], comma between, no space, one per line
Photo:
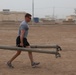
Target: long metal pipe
[44,46]
[47,46]
[28,49]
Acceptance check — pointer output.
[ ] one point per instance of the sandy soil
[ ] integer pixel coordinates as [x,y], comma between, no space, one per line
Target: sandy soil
[63,35]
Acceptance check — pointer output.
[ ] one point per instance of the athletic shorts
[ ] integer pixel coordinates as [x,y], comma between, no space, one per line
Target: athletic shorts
[25,42]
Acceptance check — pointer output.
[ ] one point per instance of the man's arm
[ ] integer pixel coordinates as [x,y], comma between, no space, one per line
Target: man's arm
[21,37]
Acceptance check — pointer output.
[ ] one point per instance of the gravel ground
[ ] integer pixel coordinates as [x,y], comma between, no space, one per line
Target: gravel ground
[63,35]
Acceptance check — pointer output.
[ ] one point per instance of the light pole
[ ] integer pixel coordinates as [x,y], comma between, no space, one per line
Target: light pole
[53,13]
[32,11]
[75,10]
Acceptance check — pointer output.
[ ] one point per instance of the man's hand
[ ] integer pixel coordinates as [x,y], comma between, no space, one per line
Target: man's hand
[21,44]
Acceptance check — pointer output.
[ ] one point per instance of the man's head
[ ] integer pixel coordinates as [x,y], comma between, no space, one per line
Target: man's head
[28,17]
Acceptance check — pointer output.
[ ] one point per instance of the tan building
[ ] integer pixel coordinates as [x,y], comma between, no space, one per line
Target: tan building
[7,15]
[71,18]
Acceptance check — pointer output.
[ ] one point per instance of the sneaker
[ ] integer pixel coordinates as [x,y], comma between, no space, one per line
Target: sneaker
[34,64]
[10,65]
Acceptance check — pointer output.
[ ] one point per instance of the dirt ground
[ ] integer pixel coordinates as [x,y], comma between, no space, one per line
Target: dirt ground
[63,35]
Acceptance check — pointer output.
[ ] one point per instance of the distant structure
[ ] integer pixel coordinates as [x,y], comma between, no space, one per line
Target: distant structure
[7,15]
[71,18]
[49,17]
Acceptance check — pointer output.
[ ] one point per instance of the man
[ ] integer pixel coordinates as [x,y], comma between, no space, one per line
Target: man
[21,41]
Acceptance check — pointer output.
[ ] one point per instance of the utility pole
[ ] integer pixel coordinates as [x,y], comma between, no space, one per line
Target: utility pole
[53,13]
[32,12]
[75,10]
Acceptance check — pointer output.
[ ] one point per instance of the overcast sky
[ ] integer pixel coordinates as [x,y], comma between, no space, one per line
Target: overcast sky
[62,8]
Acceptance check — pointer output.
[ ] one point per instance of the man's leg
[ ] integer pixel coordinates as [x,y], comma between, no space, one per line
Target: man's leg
[31,59]
[14,57]
[30,55]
